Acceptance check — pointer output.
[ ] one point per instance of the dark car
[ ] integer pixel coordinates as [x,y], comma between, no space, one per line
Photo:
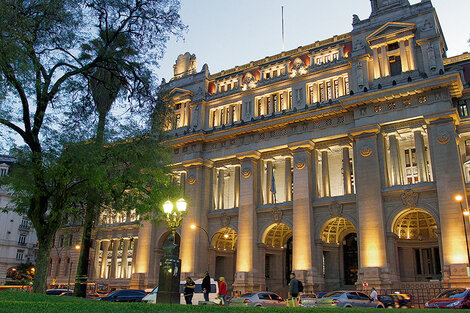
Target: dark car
[127,295]
[55,292]
[388,301]
[457,298]
[404,300]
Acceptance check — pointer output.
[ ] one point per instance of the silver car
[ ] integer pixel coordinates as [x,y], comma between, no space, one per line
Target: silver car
[259,299]
[348,299]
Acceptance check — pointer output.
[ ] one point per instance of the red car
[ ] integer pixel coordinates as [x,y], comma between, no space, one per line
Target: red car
[457,298]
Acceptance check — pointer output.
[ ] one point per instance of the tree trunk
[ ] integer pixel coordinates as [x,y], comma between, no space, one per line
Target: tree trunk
[45,239]
[81,277]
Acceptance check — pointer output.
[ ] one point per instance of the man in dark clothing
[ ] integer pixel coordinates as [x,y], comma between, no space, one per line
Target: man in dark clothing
[206,286]
[293,286]
[189,290]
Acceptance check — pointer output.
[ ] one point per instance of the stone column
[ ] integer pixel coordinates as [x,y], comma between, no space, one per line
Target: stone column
[346,172]
[269,176]
[134,254]
[248,278]
[341,86]
[375,57]
[395,168]
[238,115]
[125,249]
[412,54]
[236,191]
[303,236]
[449,180]
[421,157]
[229,115]
[104,260]
[194,242]
[143,253]
[96,262]
[220,189]
[325,174]
[288,177]
[385,64]
[114,259]
[187,118]
[403,57]
[373,266]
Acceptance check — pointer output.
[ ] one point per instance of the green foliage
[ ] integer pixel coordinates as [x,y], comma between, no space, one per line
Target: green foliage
[13,302]
[48,55]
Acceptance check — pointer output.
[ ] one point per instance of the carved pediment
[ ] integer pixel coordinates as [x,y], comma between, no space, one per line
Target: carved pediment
[179,94]
[390,31]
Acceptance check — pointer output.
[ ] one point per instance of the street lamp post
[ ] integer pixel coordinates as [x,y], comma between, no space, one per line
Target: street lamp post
[464,213]
[170,264]
[208,245]
[77,247]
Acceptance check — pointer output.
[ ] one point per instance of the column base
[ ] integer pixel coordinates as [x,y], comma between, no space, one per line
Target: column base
[310,280]
[376,277]
[138,281]
[455,275]
[248,282]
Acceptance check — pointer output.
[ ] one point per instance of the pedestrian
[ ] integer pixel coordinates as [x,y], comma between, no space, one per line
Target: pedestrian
[222,290]
[373,294]
[206,286]
[189,290]
[293,288]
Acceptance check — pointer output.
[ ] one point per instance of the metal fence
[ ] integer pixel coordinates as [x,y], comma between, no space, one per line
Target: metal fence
[420,292]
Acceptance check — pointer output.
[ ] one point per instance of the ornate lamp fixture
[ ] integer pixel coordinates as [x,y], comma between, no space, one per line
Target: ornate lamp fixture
[174,217]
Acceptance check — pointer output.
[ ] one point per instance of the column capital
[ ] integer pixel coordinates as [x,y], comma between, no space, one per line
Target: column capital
[304,145]
[450,115]
[197,162]
[249,155]
[365,131]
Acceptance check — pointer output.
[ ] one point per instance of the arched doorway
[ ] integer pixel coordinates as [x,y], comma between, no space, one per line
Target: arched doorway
[340,259]
[277,240]
[224,243]
[417,246]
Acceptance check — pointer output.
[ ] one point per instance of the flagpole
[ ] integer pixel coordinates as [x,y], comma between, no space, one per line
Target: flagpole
[282,15]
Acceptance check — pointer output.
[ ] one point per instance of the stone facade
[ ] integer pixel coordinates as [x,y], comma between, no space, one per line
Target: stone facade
[339,161]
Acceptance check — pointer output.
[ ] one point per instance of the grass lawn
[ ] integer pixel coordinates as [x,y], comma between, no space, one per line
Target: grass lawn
[20,302]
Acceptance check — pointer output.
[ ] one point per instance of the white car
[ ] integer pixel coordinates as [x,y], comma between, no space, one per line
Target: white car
[198,295]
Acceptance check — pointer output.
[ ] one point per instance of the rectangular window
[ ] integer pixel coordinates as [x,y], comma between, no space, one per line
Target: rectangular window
[336,82]
[222,88]
[311,93]
[177,120]
[235,84]
[22,239]
[463,109]
[329,90]
[395,65]
[268,75]
[275,103]
[411,169]
[19,254]
[322,92]
[3,171]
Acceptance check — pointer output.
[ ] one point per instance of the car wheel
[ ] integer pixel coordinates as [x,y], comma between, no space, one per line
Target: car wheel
[348,306]
[258,304]
[379,306]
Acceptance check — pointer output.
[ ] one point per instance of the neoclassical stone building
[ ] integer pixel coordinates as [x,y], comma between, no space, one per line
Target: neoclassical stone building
[339,161]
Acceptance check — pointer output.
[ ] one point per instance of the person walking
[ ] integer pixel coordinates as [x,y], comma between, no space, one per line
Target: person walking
[189,290]
[293,288]
[373,294]
[222,290]
[206,286]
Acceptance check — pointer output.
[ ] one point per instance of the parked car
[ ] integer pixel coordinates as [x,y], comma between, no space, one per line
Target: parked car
[389,301]
[308,300]
[259,299]
[348,299]
[197,297]
[457,298]
[404,300]
[126,295]
[55,292]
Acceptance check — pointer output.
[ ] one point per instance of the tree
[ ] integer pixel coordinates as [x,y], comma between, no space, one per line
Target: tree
[42,75]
